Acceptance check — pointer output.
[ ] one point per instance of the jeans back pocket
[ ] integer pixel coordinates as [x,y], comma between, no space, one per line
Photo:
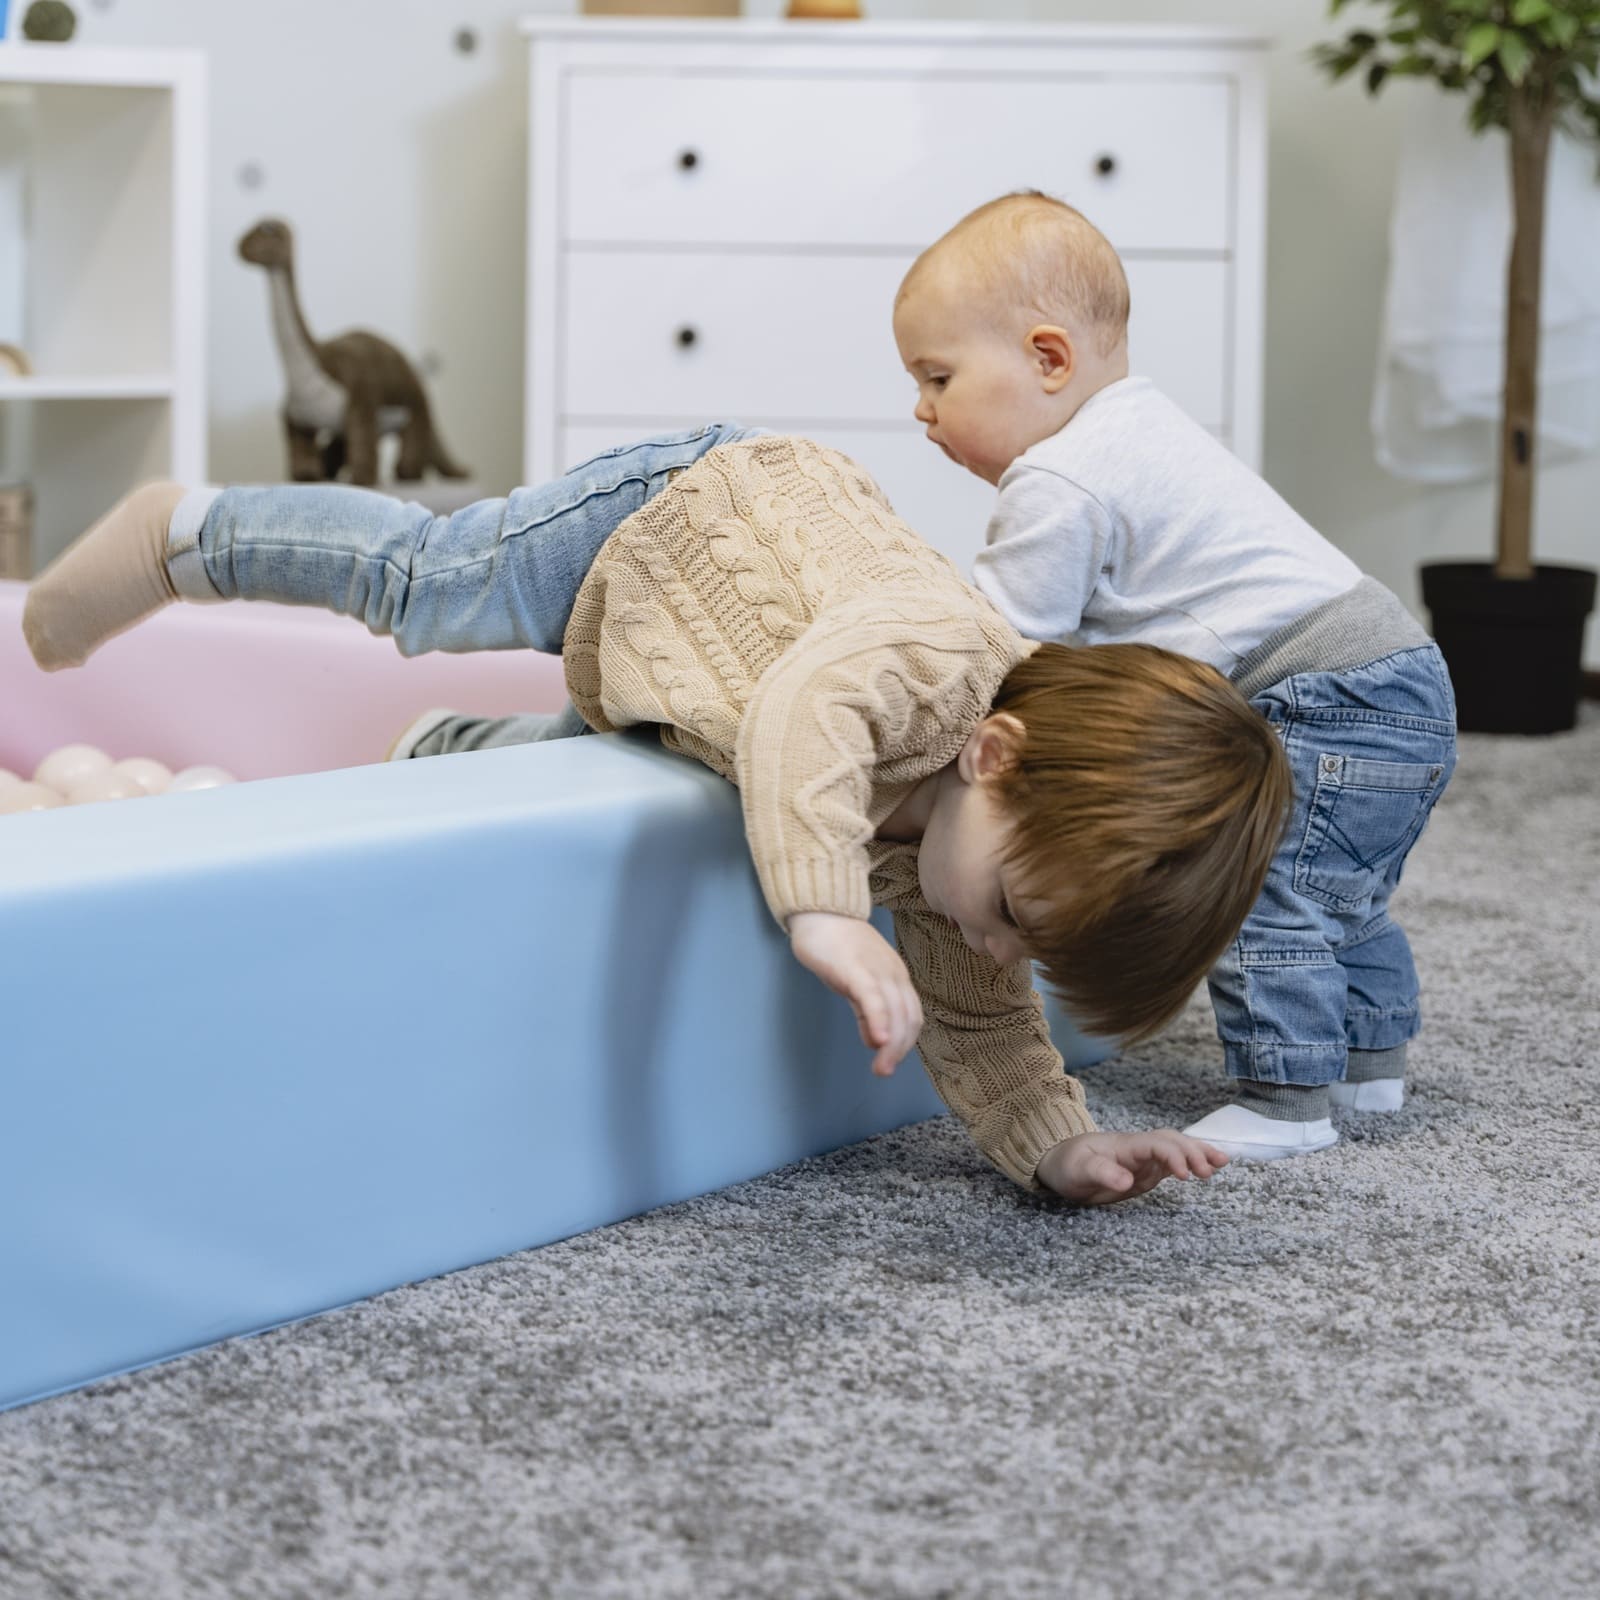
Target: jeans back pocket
[1364,816]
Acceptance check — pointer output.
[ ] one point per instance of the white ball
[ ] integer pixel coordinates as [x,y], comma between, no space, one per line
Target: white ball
[107,785]
[151,776]
[66,768]
[8,777]
[199,778]
[27,797]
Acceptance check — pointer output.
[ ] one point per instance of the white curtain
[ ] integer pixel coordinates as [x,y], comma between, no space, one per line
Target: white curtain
[1436,407]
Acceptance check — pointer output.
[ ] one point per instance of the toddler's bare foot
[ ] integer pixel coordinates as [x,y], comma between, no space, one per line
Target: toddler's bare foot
[105,581]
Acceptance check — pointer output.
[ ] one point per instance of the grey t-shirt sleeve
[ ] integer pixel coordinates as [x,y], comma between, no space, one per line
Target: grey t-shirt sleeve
[1048,542]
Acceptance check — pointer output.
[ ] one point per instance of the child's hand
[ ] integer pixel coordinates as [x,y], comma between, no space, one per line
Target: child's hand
[1097,1169]
[855,960]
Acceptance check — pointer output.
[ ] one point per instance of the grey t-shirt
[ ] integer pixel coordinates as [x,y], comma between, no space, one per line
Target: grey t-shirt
[1133,524]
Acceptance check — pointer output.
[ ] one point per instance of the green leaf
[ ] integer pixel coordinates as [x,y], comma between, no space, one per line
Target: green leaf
[1515,56]
[1482,115]
[1482,42]
[1565,27]
[1336,61]
[1489,48]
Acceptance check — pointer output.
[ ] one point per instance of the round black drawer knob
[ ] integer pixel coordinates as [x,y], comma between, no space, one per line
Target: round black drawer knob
[686,337]
[688,159]
[1105,165]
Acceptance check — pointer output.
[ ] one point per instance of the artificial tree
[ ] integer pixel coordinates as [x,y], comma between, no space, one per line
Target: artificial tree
[1529,67]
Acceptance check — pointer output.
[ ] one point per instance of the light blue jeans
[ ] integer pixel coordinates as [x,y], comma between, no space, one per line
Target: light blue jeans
[1320,969]
[498,575]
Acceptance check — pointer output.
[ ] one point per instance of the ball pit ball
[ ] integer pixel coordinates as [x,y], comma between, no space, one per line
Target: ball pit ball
[20,796]
[107,785]
[64,769]
[80,775]
[199,778]
[151,776]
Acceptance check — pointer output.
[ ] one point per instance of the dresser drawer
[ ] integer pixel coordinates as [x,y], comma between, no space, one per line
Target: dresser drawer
[773,157]
[692,334]
[809,338]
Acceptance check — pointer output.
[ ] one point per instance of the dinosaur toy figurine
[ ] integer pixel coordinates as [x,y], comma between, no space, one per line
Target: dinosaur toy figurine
[346,392]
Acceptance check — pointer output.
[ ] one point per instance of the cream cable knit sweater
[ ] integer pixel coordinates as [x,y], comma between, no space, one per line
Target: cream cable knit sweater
[787,629]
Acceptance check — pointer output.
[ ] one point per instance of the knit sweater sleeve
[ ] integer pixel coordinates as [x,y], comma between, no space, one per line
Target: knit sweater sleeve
[984,1040]
[880,692]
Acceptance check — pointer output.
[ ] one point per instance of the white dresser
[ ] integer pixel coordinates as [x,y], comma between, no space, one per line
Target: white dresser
[720,213]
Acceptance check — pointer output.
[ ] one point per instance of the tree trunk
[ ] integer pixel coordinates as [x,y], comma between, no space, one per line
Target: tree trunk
[1530,126]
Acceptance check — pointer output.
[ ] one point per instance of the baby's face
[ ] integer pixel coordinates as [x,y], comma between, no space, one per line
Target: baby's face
[960,863]
[979,391]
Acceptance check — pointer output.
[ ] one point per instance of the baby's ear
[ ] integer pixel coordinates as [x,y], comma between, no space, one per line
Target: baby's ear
[1050,348]
[997,743]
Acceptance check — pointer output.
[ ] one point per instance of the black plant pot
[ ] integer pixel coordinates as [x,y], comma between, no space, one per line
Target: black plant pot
[1514,646]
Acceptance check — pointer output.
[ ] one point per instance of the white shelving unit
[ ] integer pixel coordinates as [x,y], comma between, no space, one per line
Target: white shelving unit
[102,275]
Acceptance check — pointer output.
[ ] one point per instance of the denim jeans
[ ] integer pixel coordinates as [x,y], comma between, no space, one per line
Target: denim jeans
[460,732]
[498,575]
[1319,967]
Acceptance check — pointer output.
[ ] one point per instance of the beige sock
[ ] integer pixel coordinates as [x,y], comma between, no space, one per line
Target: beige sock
[105,581]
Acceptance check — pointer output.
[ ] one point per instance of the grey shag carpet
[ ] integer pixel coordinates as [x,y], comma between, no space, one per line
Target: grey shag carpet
[1374,1372]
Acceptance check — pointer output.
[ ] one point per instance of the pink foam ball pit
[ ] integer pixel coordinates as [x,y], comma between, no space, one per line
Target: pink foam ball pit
[262,691]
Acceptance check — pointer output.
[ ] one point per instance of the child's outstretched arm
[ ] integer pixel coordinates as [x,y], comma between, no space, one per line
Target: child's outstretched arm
[1096,1169]
[856,961]
[984,1040]
[987,1048]
[868,688]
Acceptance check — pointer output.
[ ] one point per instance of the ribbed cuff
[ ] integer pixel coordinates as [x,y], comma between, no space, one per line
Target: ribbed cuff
[823,885]
[1284,1102]
[1368,1065]
[1037,1129]
[185,565]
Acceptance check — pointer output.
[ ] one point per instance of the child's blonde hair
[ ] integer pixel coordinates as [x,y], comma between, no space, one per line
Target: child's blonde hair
[1037,253]
[1147,803]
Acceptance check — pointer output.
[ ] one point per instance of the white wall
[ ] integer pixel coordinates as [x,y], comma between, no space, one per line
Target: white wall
[400,163]
[1331,160]
[404,176]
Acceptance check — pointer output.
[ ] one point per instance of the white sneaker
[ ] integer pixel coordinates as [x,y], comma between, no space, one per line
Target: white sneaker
[1248,1136]
[416,732]
[1376,1094]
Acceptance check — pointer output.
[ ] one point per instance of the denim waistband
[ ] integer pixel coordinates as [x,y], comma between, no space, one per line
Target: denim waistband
[1363,624]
